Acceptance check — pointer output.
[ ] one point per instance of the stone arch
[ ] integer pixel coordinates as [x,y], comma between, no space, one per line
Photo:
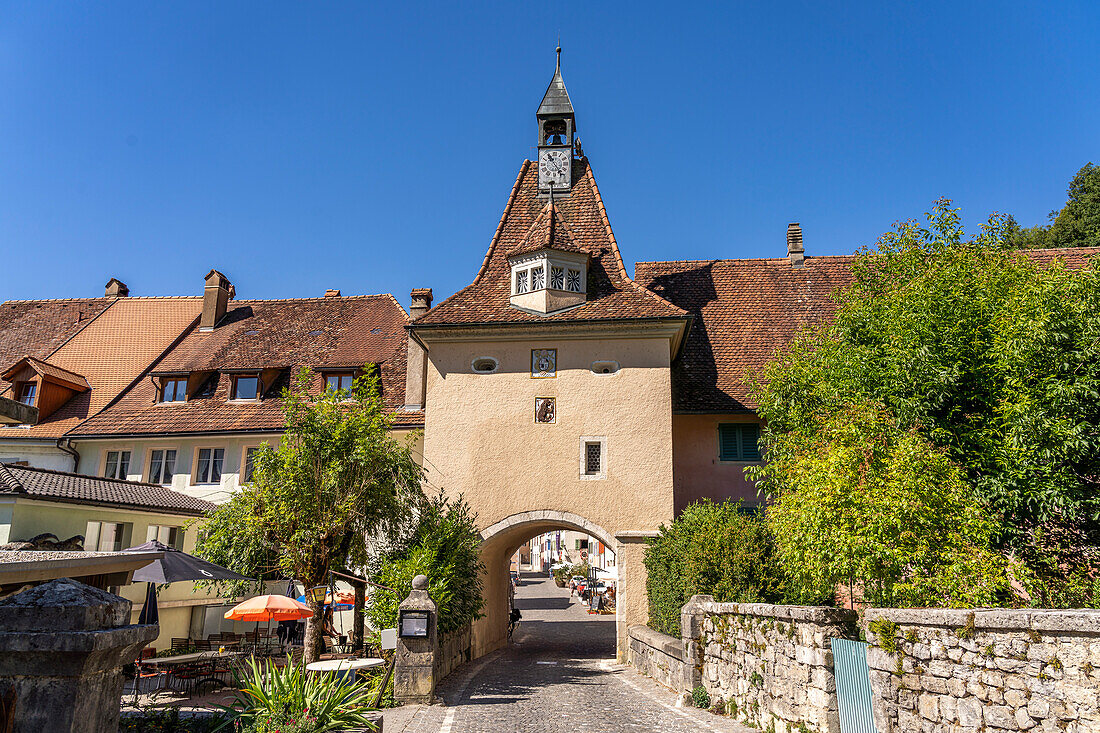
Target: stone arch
[500,540]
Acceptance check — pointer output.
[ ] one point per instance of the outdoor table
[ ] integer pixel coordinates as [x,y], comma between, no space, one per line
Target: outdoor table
[179,660]
[346,668]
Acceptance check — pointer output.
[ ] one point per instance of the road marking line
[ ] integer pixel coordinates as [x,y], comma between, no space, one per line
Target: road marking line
[610,666]
[449,718]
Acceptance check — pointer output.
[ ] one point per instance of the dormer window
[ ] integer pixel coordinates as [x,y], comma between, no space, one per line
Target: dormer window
[521,282]
[174,390]
[573,280]
[340,382]
[557,277]
[27,393]
[245,387]
[548,280]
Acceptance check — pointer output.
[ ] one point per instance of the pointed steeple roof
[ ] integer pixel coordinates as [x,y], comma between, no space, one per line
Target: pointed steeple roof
[556,100]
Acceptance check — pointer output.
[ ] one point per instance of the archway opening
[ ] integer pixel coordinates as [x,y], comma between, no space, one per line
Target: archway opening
[553,618]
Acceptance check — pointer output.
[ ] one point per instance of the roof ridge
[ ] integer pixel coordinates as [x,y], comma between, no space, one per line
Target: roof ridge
[615,244]
[325,298]
[754,260]
[101,297]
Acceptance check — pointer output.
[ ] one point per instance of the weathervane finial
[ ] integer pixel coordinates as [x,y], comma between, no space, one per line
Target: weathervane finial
[558,68]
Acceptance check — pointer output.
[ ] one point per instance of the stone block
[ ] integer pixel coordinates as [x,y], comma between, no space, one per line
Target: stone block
[969,712]
[1000,716]
[929,708]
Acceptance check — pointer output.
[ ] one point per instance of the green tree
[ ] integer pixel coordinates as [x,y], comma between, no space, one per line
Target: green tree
[989,356]
[443,544]
[865,505]
[337,478]
[1077,224]
[711,549]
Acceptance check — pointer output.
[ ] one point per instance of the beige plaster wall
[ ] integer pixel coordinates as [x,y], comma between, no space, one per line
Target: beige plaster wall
[481,440]
[699,473]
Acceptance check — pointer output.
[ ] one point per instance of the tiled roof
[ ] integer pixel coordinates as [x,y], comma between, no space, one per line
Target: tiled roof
[110,352]
[612,295]
[745,310]
[37,327]
[47,369]
[40,483]
[548,231]
[286,335]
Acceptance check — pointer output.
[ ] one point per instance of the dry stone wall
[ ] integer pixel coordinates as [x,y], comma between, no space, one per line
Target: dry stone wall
[984,670]
[660,656]
[772,665]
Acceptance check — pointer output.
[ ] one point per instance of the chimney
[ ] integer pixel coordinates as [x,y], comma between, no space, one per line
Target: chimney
[116,289]
[416,364]
[331,293]
[795,251]
[215,299]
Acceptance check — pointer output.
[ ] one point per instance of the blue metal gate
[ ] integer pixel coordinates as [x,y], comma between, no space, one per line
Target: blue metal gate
[853,686]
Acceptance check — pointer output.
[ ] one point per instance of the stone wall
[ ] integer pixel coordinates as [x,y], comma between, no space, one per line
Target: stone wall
[773,665]
[454,651]
[659,656]
[984,670]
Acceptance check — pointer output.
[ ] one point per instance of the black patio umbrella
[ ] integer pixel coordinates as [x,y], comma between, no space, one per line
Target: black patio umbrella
[176,566]
[149,613]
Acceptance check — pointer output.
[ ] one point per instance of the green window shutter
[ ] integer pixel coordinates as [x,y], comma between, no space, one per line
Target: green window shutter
[750,442]
[739,442]
[728,442]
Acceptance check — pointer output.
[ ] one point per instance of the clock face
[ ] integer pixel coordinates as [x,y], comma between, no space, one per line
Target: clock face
[554,168]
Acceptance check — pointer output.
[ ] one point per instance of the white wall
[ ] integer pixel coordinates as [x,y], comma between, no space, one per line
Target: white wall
[36,454]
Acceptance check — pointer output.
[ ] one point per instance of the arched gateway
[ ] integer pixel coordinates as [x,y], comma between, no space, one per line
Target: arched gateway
[547,381]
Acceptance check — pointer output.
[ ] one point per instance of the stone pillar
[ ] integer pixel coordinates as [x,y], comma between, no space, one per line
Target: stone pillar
[691,634]
[632,602]
[62,647]
[414,671]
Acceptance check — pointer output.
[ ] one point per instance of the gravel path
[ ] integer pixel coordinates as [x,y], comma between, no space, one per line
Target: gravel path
[559,674]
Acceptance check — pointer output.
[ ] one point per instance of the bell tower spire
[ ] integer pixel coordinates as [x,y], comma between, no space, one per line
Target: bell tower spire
[557,130]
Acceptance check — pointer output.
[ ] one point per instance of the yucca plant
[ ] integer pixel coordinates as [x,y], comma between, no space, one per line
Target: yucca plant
[313,703]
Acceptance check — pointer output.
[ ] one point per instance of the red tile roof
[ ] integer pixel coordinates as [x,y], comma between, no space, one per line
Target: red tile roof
[37,327]
[47,369]
[43,484]
[612,295]
[283,335]
[109,352]
[745,310]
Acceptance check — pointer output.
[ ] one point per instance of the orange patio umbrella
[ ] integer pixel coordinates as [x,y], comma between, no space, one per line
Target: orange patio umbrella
[268,608]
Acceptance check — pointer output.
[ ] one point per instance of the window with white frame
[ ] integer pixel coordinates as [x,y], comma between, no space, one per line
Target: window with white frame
[174,390]
[521,281]
[107,536]
[116,464]
[573,280]
[557,277]
[208,466]
[170,536]
[162,465]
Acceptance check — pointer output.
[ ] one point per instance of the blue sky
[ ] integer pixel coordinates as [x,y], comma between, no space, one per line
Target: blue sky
[371,147]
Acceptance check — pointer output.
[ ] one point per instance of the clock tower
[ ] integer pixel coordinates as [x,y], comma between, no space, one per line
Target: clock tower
[557,128]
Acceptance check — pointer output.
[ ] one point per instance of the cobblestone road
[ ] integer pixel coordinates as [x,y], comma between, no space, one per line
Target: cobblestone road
[559,674]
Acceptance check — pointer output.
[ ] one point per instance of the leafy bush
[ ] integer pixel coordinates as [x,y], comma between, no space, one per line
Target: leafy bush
[443,544]
[712,549]
[869,504]
[700,698]
[285,699]
[990,356]
[167,720]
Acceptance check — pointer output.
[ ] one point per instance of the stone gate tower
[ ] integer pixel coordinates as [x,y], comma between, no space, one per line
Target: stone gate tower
[548,389]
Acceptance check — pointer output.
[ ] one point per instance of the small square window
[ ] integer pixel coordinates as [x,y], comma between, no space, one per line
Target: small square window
[208,466]
[593,458]
[246,388]
[170,536]
[174,390]
[521,281]
[739,442]
[573,280]
[117,465]
[162,466]
[339,382]
[538,278]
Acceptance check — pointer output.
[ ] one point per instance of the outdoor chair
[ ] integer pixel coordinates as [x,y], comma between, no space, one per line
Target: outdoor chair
[204,645]
[179,646]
